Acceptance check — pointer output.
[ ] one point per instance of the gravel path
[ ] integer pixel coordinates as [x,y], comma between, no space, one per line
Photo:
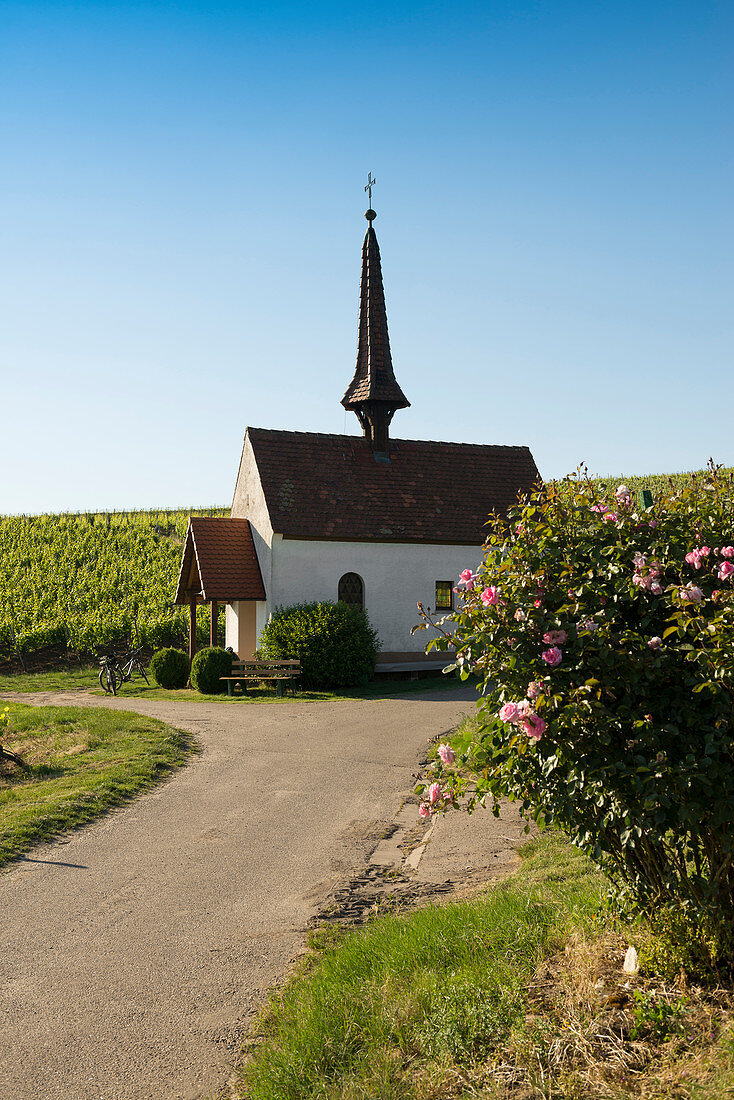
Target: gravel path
[134,951]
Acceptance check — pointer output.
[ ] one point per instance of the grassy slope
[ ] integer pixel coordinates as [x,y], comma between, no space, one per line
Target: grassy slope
[518,994]
[430,994]
[81,762]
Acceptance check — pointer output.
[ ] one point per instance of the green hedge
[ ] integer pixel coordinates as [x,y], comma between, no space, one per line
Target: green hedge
[334,642]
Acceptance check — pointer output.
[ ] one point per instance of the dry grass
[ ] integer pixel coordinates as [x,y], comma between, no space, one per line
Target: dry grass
[593,1033]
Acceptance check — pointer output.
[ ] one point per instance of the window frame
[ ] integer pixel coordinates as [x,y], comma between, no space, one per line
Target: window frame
[450,605]
[351,573]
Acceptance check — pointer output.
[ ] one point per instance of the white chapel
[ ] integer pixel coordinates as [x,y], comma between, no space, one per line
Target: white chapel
[374,520]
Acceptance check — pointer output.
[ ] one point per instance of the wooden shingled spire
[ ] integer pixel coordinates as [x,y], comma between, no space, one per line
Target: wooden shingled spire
[373,394]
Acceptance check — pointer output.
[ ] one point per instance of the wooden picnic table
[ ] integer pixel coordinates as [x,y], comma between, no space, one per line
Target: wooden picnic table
[244,672]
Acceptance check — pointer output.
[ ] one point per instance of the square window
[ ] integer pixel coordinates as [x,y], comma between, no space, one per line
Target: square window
[444,594]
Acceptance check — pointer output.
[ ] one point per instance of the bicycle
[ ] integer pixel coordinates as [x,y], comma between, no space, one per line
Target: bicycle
[116,671]
[132,668]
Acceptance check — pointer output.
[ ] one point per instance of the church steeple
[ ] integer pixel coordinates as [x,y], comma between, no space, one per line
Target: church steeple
[373,394]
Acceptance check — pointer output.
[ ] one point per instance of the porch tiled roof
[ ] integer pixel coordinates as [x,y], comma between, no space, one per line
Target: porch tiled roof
[331,487]
[219,562]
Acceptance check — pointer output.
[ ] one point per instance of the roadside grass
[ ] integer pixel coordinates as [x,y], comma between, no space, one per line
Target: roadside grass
[80,762]
[75,678]
[517,994]
[86,679]
[413,1004]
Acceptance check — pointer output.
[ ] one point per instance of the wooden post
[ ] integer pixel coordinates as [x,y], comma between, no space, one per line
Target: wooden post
[213,623]
[192,627]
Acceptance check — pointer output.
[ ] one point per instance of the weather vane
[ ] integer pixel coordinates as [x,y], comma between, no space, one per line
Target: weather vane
[370,215]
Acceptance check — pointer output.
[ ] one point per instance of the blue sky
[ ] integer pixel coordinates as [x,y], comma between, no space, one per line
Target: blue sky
[182,202]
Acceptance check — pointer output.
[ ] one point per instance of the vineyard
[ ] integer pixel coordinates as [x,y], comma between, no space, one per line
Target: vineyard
[101,579]
[658,484]
[92,579]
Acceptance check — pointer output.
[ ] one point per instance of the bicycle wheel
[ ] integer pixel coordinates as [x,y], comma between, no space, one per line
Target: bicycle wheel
[108,680]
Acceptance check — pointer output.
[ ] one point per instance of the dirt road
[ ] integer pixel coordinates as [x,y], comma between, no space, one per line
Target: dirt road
[134,950]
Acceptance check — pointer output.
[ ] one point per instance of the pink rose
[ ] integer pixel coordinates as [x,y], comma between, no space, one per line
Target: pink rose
[656,588]
[555,637]
[725,570]
[639,560]
[490,595]
[510,712]
[534,726]
[434,793]
[611,517]
[537,602]
[598,508]
[552,656]
[446,754]
[691,594]
[535,688]
[655,642]
[696,557]
[727,552]
[425,810]
[466,578]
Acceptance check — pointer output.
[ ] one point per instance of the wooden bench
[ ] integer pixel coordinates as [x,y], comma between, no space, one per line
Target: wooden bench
[280,672]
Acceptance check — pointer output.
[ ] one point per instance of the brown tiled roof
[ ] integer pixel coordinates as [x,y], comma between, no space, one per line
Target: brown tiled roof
[219,560]
[331,487]
[374,379]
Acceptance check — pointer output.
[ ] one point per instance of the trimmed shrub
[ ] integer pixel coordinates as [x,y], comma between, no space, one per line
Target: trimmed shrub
[170,668]
[206,668]
[334,642]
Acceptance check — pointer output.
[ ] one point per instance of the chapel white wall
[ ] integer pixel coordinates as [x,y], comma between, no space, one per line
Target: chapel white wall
[248,502]
[245,619]
[395,575]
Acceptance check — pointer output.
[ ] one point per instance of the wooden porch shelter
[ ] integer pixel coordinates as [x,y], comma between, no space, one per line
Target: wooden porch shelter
[219,565]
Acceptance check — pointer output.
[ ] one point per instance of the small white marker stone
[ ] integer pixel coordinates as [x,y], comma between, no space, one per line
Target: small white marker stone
[631,964]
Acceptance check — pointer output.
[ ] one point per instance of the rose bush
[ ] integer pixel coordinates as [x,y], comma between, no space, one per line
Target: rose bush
[606,668]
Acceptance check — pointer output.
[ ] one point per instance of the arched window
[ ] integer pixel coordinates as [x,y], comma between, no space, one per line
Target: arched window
[351,589]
